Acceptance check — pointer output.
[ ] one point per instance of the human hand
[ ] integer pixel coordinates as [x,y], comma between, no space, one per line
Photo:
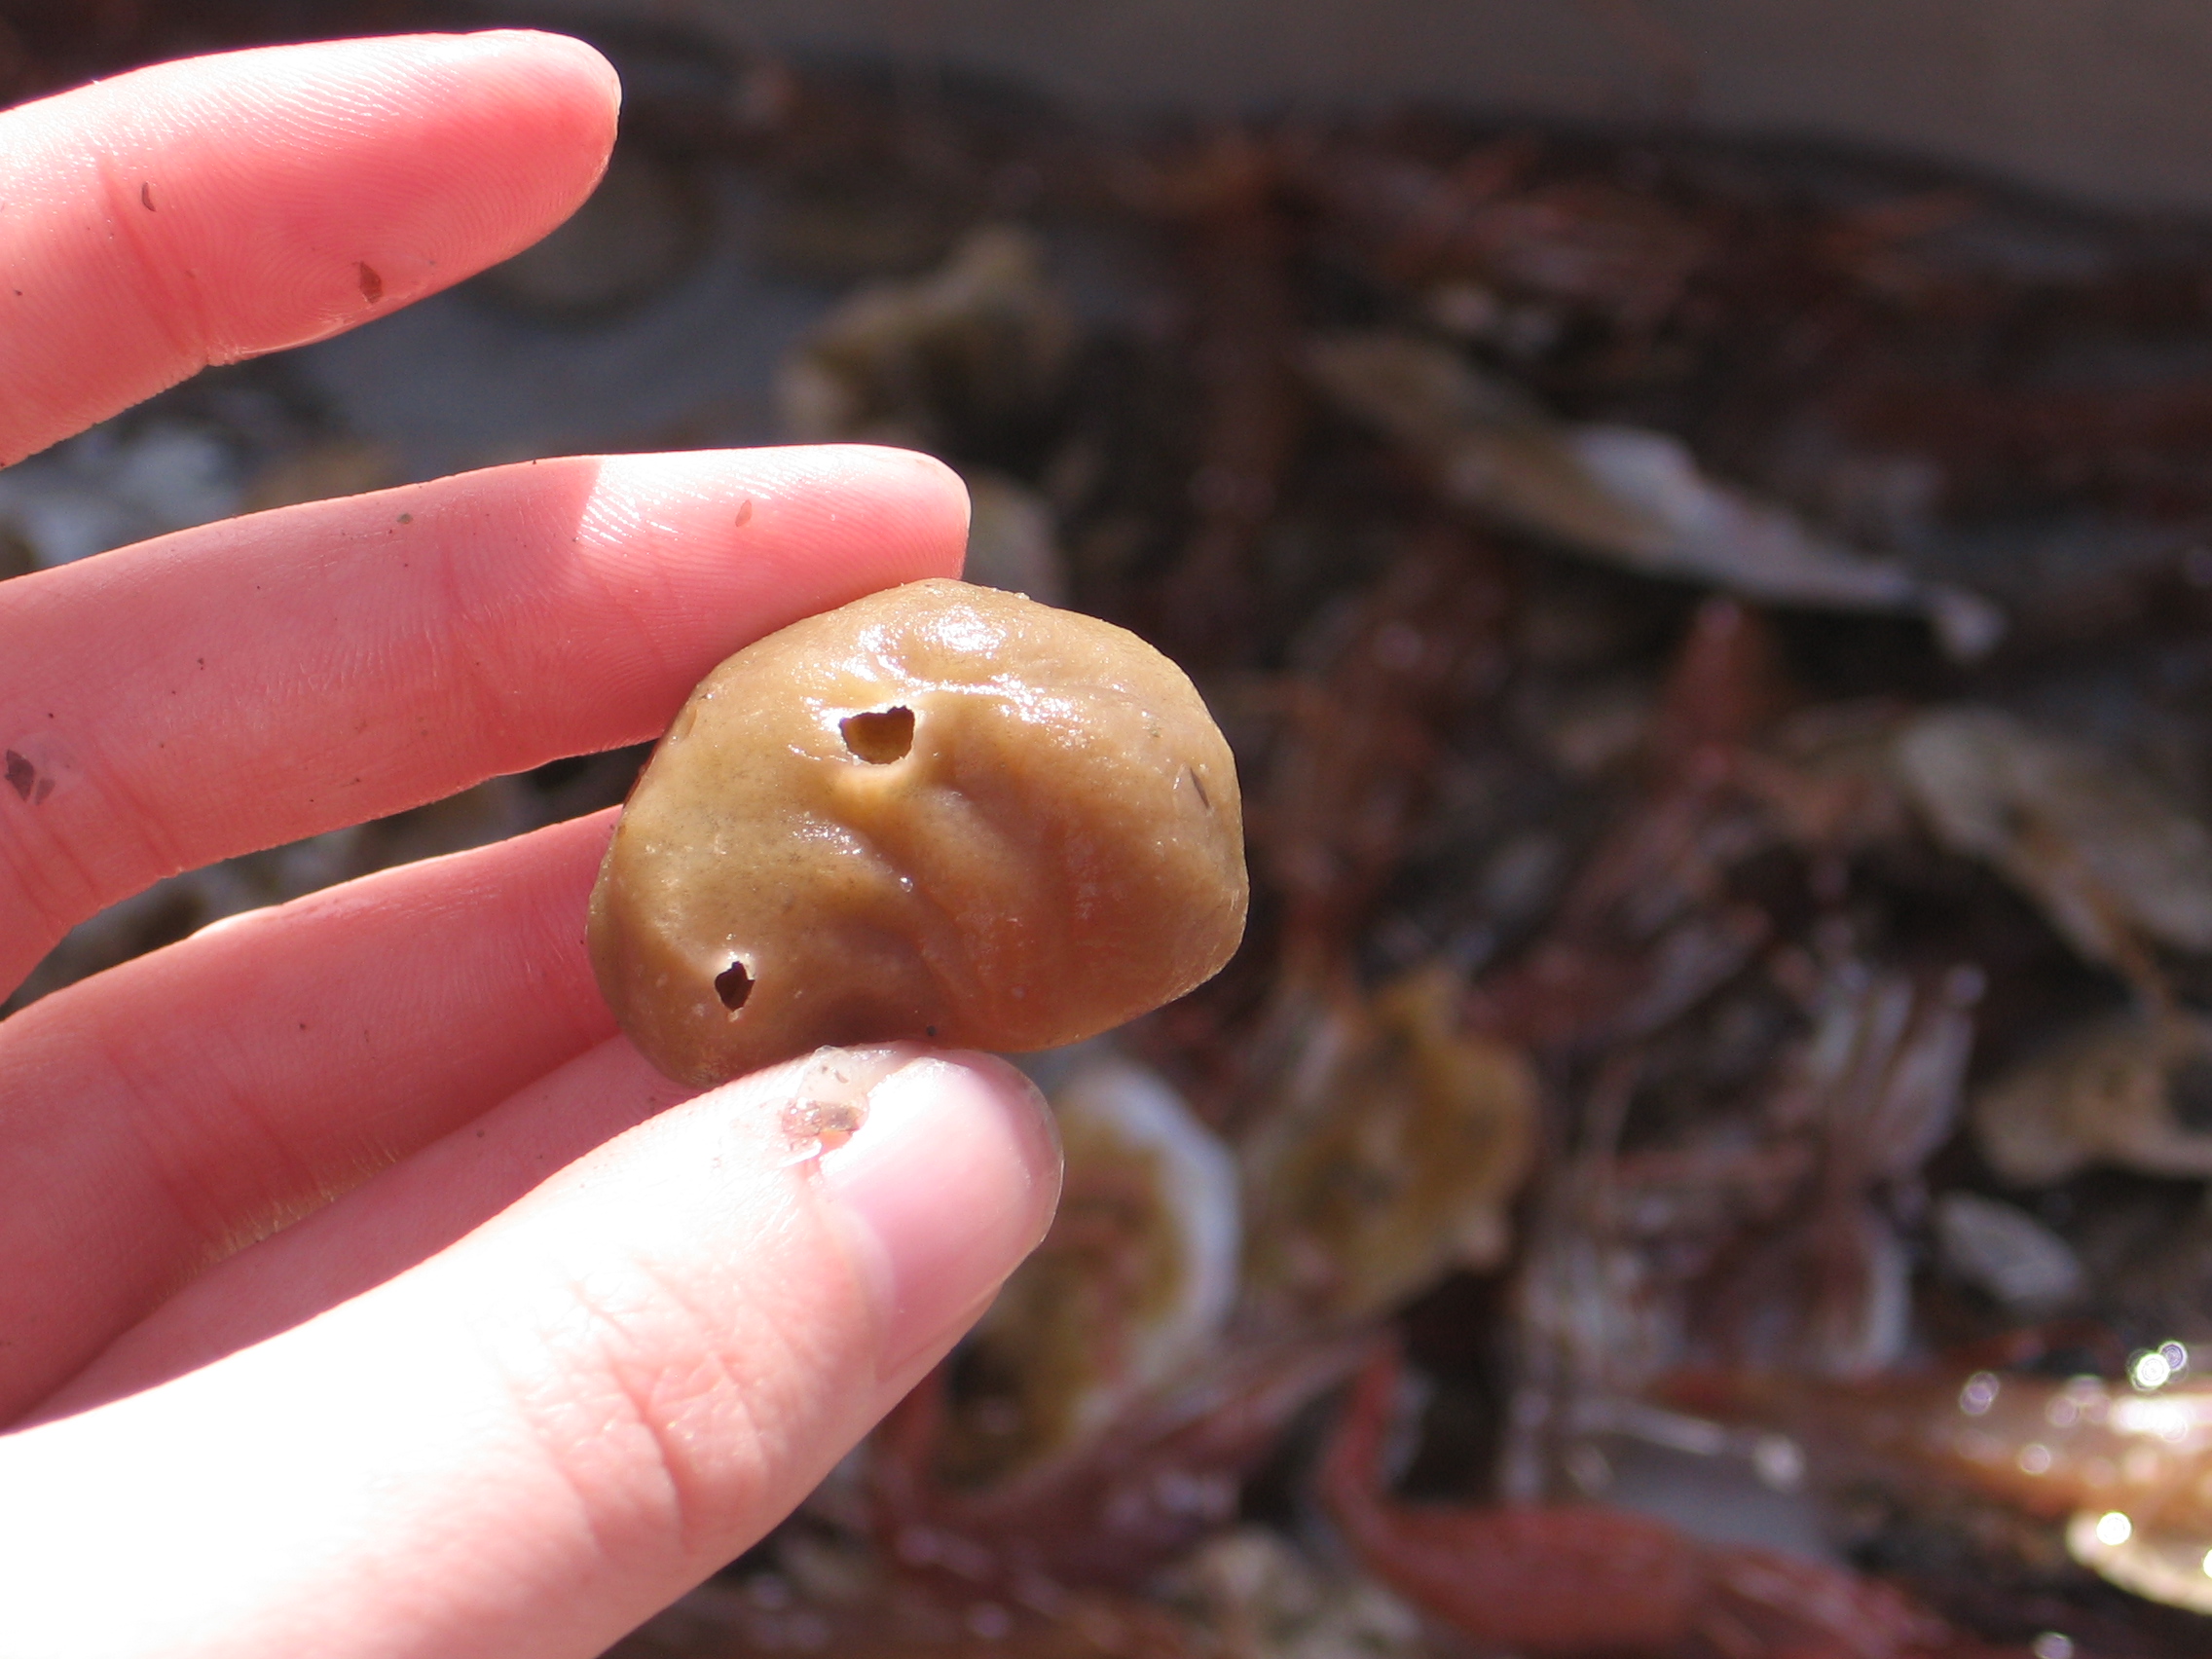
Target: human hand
[568,1341]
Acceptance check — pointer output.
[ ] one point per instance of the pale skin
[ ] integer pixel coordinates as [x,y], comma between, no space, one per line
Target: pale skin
[545,1340]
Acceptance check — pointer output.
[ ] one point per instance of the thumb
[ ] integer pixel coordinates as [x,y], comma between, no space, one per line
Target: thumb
[533,1439]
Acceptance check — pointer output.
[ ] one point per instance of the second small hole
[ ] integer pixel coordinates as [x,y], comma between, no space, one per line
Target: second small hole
[733,985]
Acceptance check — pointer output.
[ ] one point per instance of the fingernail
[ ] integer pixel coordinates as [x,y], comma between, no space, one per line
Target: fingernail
[946,1183]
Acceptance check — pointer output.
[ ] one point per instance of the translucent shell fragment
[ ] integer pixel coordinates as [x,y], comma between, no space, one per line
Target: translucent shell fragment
[942,812]
[1128,1294]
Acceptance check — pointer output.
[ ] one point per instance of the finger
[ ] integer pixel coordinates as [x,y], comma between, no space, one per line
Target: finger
[206,210]
[188,1102]
[395,1222]
[376,652]
[530,1442]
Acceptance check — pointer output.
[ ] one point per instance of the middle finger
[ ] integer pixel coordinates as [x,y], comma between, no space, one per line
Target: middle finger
[258,680]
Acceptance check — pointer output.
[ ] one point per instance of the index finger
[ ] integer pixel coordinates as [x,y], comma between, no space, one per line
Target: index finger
[201,211]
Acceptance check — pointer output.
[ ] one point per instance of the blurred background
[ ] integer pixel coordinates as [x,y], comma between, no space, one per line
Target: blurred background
[1696,516]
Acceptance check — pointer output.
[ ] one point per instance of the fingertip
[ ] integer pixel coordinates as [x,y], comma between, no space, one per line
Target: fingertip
[800,528]
[935,496]
[950,1180]
[219,208]
[564,66]
[935,482]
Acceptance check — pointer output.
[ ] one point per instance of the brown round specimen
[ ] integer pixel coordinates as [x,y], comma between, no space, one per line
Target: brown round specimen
[942,812]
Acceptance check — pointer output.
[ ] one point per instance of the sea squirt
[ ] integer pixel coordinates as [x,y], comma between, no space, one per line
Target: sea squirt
[941,812]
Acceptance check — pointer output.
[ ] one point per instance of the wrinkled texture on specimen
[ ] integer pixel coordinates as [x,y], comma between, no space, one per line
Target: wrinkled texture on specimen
[941,812]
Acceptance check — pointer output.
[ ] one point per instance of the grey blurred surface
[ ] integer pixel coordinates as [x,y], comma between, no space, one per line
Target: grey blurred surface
[2102,100]
[461,381]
